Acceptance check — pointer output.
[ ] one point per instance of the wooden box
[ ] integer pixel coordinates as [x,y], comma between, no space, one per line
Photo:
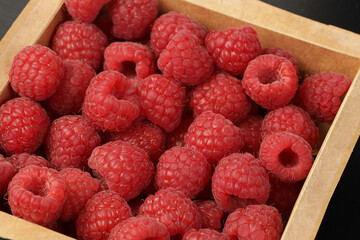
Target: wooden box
[316,46]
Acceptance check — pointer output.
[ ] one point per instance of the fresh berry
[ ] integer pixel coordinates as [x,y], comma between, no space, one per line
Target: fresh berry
[183,169]
[22,160]
[250,128]
[280,52]
[109,102]
[84,10]
[75,40]
[177,137]
[185,59]
[286,156]
[36,72]
[254,222]
[132,19]
[204,234]
[233,48]
[214,136]
[7,171]
[223,94]
[37,194]
[126,168]
[23,125]
[101,213]
[211,214]
[294,120]
[270,81]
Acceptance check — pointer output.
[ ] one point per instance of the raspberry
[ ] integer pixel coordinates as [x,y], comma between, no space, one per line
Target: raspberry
[36,72]
[294,120]
[75,40]
[286,156]
[70,94]
[22,160]
[183,169]
[223,94]
[125,167]
[102,212]
[270,81]
[139,228]
[172,208]
[132,19]
[23,125]
[168,24]
[204,234]
[280,52]
[109,103]
[250,128]
[80,188]
[84,10]
[240,180]
[233,48]
[213,136]
[211,214]
[37,194]
[129,58]
[186,59]
[177,137]
[7,171]
[162,100]
[320,95]
[254,222]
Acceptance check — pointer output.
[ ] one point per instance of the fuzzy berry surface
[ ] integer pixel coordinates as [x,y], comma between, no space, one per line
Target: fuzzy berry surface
[84,10]
[7,171]
[282,53]
[205,234]
[250,128]
[22,160]
[177,137]
[211,214]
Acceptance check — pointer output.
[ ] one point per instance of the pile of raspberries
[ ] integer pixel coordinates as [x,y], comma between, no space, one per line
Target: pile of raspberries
[135,125]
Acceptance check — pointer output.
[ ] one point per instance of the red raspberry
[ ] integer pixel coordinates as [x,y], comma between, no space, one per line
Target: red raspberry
[251,130]
[129,58]
[291,119]
[172,208]
[183,169]
[320,95]
[70,94]
[214,136]
[168,24]
[240,180]
[132,19]
[22,160]
[280,52]
[70,141]
[7,171]
[37,194]
[233,48]
[224,95]
[186,59]
[109,102]
[101,213]
[254,222]
[139,228]
[211,214]
[286,156]
[270,81]
[162,100]
[80,188]
[204,234]
[23,125]
[125,167]
[177,137]
[85,10]
[36,72]
[74,40]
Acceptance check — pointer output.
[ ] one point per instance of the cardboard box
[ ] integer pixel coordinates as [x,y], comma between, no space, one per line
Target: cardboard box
[317,47]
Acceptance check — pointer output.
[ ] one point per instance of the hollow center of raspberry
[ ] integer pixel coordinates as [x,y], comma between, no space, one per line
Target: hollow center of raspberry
[288,158]
[269,76]
[128,69]
[38,188]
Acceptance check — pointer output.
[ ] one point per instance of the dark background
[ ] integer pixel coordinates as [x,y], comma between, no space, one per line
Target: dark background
[342,218]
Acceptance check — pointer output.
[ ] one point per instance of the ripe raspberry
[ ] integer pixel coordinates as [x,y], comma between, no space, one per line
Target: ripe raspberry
[213,136]
[7,171]
[70,94]
[250,128]
[204,234]
[223,94]
[132,19]
[185,59]
[84,10]
[168,24]
[36,72]
[109,102]
[172,208]
[270,81]
[254,222]
[37,194]
[177,137]
[74,40]
[22,160]
[233,48]
[286,156]
[125,167]
[139,228]
[162,100]
[291,119]
[280,52]
[211,214]
[101,213]
[320,95]
[23,125]
[183,169]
